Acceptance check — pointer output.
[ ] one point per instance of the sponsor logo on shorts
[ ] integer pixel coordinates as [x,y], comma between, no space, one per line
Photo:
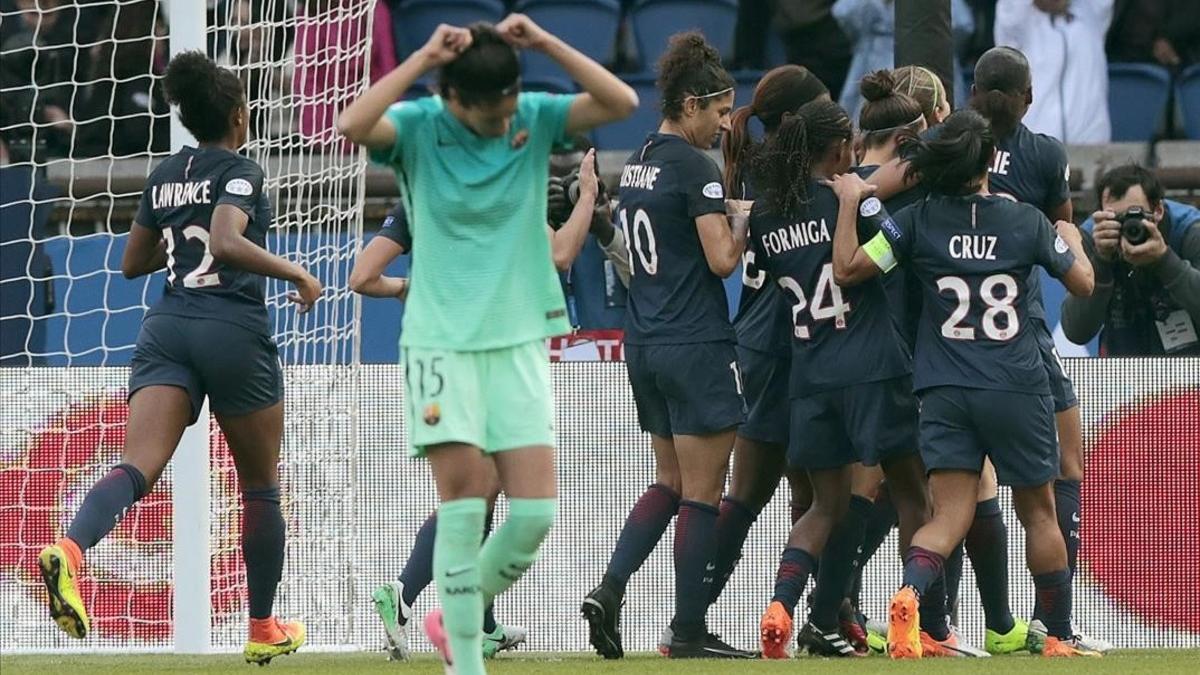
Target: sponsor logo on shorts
[713,190]
[870,207]
[433,414]
[239,186]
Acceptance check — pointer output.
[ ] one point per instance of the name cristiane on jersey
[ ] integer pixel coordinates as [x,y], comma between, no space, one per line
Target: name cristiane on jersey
[794,236]
[639,176]
[172,195]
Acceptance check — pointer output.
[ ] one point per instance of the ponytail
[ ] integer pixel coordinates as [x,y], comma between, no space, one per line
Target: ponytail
[1002,109]
[955,162]
[782,169]
[735,147]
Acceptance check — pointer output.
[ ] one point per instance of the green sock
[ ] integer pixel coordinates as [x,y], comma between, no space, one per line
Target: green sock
[456,571]
[513,547]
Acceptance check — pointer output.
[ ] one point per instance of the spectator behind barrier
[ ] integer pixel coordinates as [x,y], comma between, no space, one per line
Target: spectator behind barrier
[1155,31]
[40,54]
[1147,297]
[1064,42]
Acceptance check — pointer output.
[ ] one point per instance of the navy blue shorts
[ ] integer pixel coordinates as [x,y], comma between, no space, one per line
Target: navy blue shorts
[871,423]
[765,386]
[237,368]
[960,426]
[689,389]
[1062,390]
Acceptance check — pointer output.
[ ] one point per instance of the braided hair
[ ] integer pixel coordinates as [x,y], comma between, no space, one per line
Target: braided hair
[782,169]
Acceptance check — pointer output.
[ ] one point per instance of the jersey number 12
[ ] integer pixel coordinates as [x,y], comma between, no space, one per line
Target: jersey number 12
[200,277]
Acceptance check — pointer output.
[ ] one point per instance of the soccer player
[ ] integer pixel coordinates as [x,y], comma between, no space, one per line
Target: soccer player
[850,385]
[977,366]
[203,216]
[393,601]
[472,163]
[679,346]
[763,329]
[1032,168]
[925,87]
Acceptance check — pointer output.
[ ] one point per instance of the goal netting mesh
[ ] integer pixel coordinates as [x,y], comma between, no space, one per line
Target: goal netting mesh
[83,121]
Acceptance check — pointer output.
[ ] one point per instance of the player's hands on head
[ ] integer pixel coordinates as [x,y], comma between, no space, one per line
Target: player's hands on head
[521,32]
[1147,252]
[446,43]
[308,290]
[850,187]
[1106,235]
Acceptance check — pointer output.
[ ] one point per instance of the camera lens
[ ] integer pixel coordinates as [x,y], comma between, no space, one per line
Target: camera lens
[1133,227]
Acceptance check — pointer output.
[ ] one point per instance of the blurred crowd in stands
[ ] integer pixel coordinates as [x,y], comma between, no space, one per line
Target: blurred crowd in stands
[80,78]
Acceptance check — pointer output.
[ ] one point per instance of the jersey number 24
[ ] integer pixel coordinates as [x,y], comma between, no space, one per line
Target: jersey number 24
[827,303]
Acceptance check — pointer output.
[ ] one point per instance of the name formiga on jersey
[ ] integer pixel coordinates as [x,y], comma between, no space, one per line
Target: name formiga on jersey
[794,236]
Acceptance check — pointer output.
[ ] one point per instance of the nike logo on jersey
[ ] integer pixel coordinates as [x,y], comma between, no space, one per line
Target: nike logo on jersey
[455,571]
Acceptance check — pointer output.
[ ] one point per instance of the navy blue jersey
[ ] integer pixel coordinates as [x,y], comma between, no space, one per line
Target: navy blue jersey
[973,257]
[674,298]
[904,293]
[395,228]
[1031,168]
[763,321]
[179,200]
[840,336]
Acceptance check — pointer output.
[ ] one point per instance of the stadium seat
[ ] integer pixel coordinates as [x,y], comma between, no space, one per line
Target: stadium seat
[1187,92]
[655,21]
[629,133]
[417,19]
[587,25]
[1137,98]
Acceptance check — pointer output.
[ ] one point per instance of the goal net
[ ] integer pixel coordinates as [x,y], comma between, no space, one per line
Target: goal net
[82,123]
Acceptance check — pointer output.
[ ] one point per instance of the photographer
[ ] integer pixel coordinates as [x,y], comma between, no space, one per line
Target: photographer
[1146,253]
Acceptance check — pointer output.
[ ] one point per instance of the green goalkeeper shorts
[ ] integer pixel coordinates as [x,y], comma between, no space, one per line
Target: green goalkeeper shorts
[498,399]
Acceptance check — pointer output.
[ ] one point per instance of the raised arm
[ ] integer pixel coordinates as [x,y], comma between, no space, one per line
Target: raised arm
[566,243]
[363,121]
[605,97]
[1080,278]
[851,264]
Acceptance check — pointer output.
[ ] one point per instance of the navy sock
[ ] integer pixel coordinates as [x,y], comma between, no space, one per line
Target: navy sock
[489,619]
[643,528]
[922,568]
[732,527]
[795,566]
[1068,505]
[1054,596]
[934,609]
[106,504]
[879,525]
[418,569]
[987,546]
[839,561]
[954,568]
[263,535]
[695,550]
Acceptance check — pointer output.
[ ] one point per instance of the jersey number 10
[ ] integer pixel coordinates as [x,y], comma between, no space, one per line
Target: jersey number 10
[200,277]
[633,241]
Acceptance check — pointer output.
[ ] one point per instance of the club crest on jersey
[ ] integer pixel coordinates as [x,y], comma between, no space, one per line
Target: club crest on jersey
[520,139]
[433,414]
[713,190]
[870,207]
[239,186]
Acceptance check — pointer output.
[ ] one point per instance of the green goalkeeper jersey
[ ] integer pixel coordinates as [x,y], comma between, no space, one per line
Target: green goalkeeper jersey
[484,277]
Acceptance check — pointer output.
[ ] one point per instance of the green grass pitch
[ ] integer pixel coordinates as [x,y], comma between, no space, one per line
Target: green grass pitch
[1143,661]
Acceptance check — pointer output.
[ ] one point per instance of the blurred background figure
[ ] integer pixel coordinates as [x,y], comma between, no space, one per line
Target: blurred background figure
[1064,42]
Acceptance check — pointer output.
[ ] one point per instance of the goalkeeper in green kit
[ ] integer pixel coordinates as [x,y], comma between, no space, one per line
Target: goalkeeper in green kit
[472,164]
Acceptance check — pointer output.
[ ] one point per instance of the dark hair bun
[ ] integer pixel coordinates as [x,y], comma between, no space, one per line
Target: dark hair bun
[688,51]
[878,85]
[189,75]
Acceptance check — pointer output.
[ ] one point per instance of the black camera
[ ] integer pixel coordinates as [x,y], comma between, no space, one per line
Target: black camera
[1133,225]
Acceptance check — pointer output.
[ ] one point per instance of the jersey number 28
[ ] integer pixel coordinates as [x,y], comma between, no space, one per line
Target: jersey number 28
[200,277]
[827,302]
[998,305]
